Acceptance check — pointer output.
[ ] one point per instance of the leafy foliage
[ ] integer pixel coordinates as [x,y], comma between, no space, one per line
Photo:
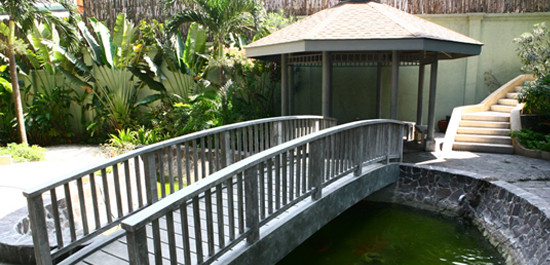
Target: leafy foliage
[533,140]
[536,96]
[48,118]
[23,152]
[534,50]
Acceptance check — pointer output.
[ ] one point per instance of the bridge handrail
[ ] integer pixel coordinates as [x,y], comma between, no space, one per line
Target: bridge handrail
[141,170]
[328,155]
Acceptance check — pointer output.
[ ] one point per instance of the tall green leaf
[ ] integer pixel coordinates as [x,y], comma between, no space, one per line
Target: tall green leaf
[104,36]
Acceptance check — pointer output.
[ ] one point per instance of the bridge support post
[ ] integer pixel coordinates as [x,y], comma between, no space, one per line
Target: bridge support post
[39,230]
[388,143]
[150,177]
[226,150]
[251,200]
[137,246]
[359,151]
[316,167]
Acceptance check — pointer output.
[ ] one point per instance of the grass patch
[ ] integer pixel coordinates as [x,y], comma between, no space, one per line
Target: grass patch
[24,153]
[167,187]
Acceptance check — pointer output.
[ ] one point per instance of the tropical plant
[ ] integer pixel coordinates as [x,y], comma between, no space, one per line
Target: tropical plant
[117,57]
[534,50]
[536,96]
[272,22]
[21,16]
[48,118]
[7,113]
[24,152]
[221,18]
[184,66]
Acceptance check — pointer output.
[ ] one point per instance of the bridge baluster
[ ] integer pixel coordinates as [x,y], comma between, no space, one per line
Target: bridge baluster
[316,166]
[251,200]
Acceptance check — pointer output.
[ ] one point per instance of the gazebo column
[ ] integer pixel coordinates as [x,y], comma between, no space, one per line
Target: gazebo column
[291,89]
[420,100]
[394,84]
[430,142]
[284,85]
[379,91]
[327,85]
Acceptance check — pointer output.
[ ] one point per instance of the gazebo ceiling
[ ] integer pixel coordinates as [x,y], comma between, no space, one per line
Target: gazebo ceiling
[363,26]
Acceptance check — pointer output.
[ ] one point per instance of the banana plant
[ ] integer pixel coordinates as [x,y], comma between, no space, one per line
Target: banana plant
[113,56]
[183,69]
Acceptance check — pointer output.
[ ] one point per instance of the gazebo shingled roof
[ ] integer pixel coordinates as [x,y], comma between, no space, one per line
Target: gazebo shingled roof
[369,26]
[371,33]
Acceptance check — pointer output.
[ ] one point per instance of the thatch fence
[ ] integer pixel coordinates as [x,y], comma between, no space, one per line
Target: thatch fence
[136,10]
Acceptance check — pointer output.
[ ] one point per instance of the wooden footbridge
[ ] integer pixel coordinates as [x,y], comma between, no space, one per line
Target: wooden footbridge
[218,196]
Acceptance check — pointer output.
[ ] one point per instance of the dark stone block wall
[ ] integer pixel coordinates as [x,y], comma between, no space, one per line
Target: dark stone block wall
[516,222]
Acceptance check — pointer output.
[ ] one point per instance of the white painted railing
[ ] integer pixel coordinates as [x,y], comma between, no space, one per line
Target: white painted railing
[200,223]
[99,197]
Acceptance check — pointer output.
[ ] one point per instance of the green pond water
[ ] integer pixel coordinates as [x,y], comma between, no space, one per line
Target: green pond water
[382,233]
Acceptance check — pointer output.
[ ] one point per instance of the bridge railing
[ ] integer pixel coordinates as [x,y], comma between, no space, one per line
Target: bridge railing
[236,201]
[82,205]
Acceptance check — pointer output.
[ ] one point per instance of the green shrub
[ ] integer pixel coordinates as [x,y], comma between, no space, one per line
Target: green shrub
[533,140]
[536,97]
[24,153]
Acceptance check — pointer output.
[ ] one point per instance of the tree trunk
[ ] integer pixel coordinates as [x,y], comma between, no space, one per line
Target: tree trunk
[15,84]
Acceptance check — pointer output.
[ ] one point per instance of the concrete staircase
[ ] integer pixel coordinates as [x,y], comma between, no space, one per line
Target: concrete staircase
[488,131]
[485,127]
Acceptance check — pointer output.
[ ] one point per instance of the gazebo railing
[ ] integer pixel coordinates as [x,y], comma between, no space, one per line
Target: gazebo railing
[200,223]
[77,207]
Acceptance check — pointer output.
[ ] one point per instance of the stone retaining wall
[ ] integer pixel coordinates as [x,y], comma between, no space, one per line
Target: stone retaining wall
[516,222]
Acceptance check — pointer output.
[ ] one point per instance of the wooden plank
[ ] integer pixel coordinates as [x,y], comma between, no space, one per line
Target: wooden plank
[95,205]
[139,187]
[160,157]
[106,196]
[170,168]
[81,200]
[57,223]
[171,238]
[185,234]
[209,222]
[69,202]
[128,186]
[117,191]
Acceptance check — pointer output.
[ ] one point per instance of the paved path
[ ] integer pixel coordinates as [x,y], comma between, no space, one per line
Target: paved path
[16,178]
[530,174]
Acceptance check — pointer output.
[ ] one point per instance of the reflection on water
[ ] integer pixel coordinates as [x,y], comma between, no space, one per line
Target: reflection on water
[381,233]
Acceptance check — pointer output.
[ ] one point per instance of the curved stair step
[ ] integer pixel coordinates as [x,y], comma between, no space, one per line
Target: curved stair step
[512,95]
[485,124]
[484,148]
[492,116]
[508,102]
[483,131]
[518,88]
[502,108]
[488,139]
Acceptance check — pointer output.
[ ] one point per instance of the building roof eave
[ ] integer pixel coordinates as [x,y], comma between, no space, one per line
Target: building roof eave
[451,48]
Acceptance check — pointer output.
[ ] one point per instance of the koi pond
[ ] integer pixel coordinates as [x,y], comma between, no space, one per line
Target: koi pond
[391,234]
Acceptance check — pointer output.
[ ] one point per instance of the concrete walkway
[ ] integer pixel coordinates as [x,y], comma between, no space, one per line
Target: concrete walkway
[60,160]
[532,175]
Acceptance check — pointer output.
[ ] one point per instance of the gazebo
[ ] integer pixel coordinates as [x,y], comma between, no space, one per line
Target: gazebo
[360,33]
